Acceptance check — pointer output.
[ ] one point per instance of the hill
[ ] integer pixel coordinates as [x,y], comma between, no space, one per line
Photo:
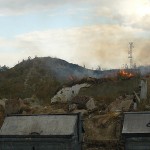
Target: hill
[40,77]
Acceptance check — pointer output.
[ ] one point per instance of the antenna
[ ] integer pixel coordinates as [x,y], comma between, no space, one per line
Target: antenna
[130,54]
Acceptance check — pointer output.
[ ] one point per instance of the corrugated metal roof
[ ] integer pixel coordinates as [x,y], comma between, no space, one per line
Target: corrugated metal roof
[136,123]
[42,124]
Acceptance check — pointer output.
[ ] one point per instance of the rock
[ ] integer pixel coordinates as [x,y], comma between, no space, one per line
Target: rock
[2,109]
[84,102]
[90,105]
[128,97]
[80,101]
[72,107]
[25,108]
[2,102]
[67,93]
[120,105]
[125,105]
[82,111]
[24,112]
[15,106]
[120,97]
[31,101]
[12,106]
[147,107]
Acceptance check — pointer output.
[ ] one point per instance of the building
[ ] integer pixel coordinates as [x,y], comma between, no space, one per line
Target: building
[136,131]
[41,132]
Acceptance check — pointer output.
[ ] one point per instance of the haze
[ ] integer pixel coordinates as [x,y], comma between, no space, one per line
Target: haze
[86,32]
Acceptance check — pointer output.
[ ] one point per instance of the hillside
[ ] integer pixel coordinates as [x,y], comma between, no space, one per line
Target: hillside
[40,77]
[50,85]
[107,92]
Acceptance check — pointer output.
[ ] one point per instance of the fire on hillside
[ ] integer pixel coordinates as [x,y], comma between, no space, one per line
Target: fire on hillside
[126,74]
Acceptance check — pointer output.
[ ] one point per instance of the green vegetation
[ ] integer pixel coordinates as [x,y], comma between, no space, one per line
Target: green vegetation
[108,91]
[39,77]
[28,78]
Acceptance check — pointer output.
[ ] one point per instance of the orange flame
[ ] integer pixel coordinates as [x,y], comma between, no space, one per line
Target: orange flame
[126,74]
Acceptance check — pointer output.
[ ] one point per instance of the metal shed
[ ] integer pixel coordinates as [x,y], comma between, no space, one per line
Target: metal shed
[41,132]
[136,131]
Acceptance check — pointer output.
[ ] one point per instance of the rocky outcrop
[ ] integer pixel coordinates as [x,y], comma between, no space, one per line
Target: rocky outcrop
[121,104]
[84,102]
[66,94]
[72,107]
[2,102]
[15,106]
[90,105]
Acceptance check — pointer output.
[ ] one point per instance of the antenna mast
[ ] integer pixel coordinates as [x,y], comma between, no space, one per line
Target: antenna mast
[130,54]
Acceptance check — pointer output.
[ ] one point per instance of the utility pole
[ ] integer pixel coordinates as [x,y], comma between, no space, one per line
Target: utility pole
[130,54]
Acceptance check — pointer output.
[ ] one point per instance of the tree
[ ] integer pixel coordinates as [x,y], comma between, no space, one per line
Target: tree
[4,68]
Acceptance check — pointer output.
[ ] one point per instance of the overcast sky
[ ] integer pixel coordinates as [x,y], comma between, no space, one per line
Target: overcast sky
[85,32]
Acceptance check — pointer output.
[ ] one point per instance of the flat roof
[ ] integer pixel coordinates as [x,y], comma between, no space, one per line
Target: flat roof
[53,124]
[136,123]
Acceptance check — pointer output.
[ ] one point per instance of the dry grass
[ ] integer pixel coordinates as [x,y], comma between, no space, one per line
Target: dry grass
[49,109]
[101,127]
[107,92]
[2,111]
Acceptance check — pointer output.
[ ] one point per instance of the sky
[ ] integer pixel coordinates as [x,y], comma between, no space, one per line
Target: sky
[85,32]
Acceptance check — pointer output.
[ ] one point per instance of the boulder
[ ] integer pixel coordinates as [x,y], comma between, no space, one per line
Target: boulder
[15,106]
[2,102]
[120,105]
[80,101]
[128,97]
[90,105]
[84,102]
[72,107]
[66,94]
[147,107]
[120,97]
[31,101]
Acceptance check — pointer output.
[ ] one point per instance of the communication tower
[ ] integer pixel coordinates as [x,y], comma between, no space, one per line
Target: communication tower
[130,52]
